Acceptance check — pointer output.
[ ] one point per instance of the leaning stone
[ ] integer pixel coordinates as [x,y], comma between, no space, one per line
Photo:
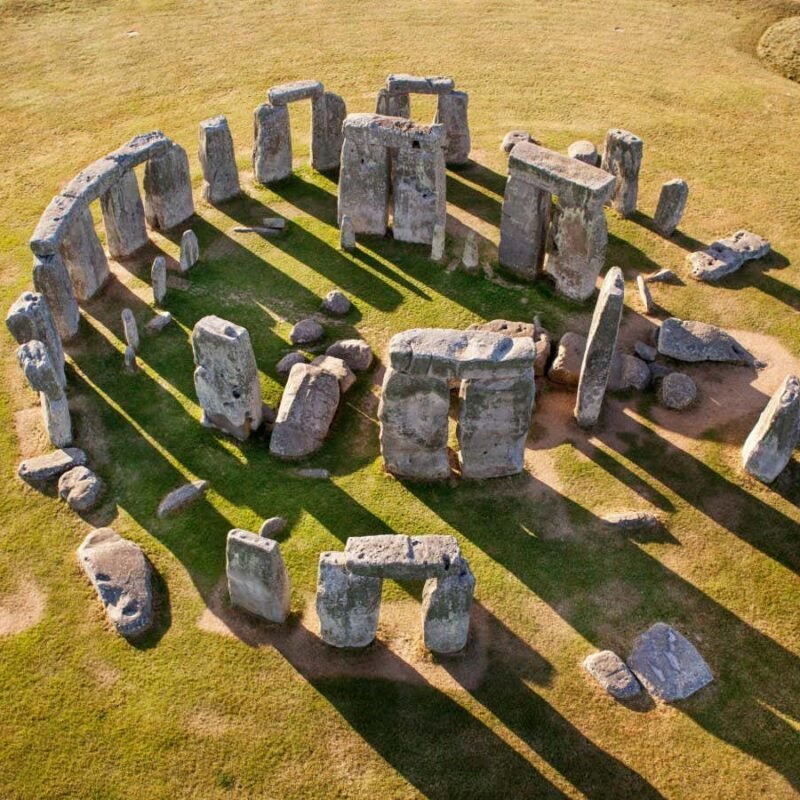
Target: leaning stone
[451,111]
[272,145]
[313,473]
[284,366]
[667,664]
[403,558]
[611,672]
[51,279]
[628,372]
[29,318]
[622,157]
[158,322]
[356,353]
[671,205]
[257,578]
[347,236]
[130,328]
[438,243]
[337,368]
[585,151]
[41,469]
[662,276]
[725,256]
[180,498]
[286,93]
[190,251]
[687,340]
[513,138]
[645,351]
[446,603]
[306,331]
[308,406]
[645,298]
[336,303]
[348,605]
[84,257]
[168,189]
[632,520]
[272,527]
[566,367]
[218,161]
[122,576]
[123,217]
[158,280]
[677,391]
[131,364]
[600,346]
[470,258]
[769,446]
[80,488]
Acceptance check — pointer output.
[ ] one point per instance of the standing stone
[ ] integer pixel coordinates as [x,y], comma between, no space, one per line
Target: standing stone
[272,145]
[645,297]
[347,236]
[611,672]
[218,161]
[190,251]
[585,151]
[257,578]
[51,279]
[308,406]
[348,606]
[123,216]
[622,157]
[470,258]
[671,205]
[600,346]
[438,243]
[84,257]
[396,104]
[29,318]
[338,368]
[168,189]
[452,113]
[131,364]
[158,280]
[226,377]
[43,377]
[770,444]
[130,328]
[328,111]
[446,602]
[524,221]
[284,366]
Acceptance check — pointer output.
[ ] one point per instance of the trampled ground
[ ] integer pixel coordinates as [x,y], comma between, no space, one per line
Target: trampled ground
[214,706]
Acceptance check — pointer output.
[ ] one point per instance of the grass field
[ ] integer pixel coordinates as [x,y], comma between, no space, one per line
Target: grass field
[214,706]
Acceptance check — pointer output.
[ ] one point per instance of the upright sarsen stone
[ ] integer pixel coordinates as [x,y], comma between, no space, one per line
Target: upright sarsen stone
[524,222]
[622,157]
[452,113]
[446,603]
[396,104]
[272,144]
[158,279]
[218,161]
[43,378]
[600,346]
[328,112]
[671,205]
[123,216]
[168,189]
[84,257]
[51,278]
[29,318]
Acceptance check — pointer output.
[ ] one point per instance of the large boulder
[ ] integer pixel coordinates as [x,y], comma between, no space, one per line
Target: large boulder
[687,340]
[725,256]
[306,331]
[80,488]
[677,391]
[356,353]
[41,469]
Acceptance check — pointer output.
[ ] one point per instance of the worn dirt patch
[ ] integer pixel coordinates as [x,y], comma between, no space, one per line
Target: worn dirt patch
[21,609]
[30,431]
[208,723]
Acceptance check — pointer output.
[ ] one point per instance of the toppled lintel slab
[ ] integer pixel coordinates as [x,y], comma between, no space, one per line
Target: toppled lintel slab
[139,149]
[446,353]
[406,84]
[725,256]
[413,558]
[692,341]
[95,180]
[571,180]
[296,90]
[392,131]
[54,224]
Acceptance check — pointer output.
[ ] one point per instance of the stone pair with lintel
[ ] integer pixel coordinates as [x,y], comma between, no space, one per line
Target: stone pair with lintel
[566,240]
[496,399]
[272,146]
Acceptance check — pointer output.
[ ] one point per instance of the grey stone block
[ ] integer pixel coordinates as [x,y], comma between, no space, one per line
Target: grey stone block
[29,319]
[272,144]
[218,161]
[671,205]
[168,189]
[286,93]
[180,498]
[622,157]
[691,341]
[402,558]
[51,279]
[123,216]
[452,113]
[446,603]
[84,256]
[41,469]
[612,673]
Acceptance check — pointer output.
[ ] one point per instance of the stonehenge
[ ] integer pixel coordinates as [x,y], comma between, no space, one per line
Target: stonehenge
[496,402]
[272,146]
[622,157]
[567,240]
[414,187]
[44,378]
[218,162]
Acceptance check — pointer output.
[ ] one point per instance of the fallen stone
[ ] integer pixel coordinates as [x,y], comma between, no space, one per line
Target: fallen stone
[446,604]
[313,473]
[347,236]
[566,367]
[130,329]
[401,558]
[667,664]
[257,578]
[190,251]
[628,372]
[725,256]
[122,576]
[131,364]
[273,526]
[80,488]
[306,331]
[218,161]
[336,303]
[513,138]
[662,276]
[470,258]
[356,353]
[284,366]
[274,223]
[585,151]
[632,520]
[338,368]
[769,446]
[687,340]
[180,498]
[671,205]
[645,351]
[41,469]
[158,279]
[611,672]
[645,298]
[158,322]
[260,229]
[622,157]
[677,391]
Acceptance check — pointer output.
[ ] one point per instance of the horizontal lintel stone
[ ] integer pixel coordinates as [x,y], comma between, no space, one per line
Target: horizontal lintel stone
[402,557]
[418,84]
[297,90]
[392,131]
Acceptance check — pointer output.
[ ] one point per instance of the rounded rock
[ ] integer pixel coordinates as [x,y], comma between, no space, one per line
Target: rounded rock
[284,366]
[515,137]
[677,391]
[356,353]
[585,151]
[336,303]
[80,488]
[306,331]
[272,526]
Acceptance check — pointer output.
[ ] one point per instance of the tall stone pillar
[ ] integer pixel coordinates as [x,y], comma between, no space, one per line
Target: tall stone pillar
[43,378]
[364,186]
[84,256]
[218,161]
[123,216]
[452,113]
[272,144]
[446,602]
[419,199]
[523,227]
[327,116]
[168,189]
[622,157]
[51,278]
[395,104]
[29,319]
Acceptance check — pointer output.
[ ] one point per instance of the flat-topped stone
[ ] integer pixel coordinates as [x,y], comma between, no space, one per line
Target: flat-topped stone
[447,353]
[40,469]
[725,256]
[400,83]
[571,180]
[393,131]
[413,558]
[296,90]
[94,180]
[55,223]
[140,148]
[688,340]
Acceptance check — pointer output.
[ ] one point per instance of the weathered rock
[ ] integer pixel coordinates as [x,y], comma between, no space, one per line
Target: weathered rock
[338,368]
[122,576]
[662,276]
[566,367]
[190,251]
[611,672]
[158,280]
[687,340]
[534,330]
[80,488]
[168,189]
[645,298]
[622,157]
[356,353]
[286,93]
[393,105]
[131,364]
[95,180]
[470,258]
[600,346]
[56,220]
[513,138]
[123,216]
[314,473]
[328,112]
[218,161]
[51,279]
[273,526]
[659,371]
[585,151]
[180,498]
[671,205]
[336,302]
[524,223]
[226,377]
[42,376]
[158,322]
[284,366]
[769,446]
[272,145]
[628,372]
[257,578]
[347,236]
[306,331]
[667,664]
[275,223]
[84,257]
[438,243]
[452,113]
[677,391]
[725,256]
[645,351]
[130,329]
[140,148]
[348,605]
[632,520]
[446,602]
[41,469]
[403,558]
[307,409]
[29,319]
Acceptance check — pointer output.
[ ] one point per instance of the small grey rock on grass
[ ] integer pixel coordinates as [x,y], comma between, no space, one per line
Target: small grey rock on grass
[612,673]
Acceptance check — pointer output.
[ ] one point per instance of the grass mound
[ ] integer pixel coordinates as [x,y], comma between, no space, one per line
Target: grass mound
[779,47]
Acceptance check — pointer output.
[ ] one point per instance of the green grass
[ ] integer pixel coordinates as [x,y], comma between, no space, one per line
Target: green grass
[191,713]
